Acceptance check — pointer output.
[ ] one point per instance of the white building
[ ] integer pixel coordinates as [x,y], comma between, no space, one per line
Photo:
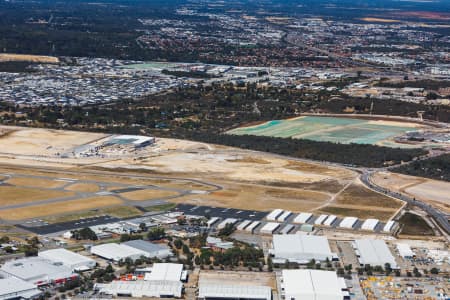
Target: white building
[389,226]
[37,271]
[300,248]
[269,228]
[72,260]
[226,222]
[370,224]
[215,291]
[330,220]
[312,285]
[274,214]
[138,289]
[320,219]
[284,216]
[115,252]
[244,224]
[150,249]
[374,253]
[15,288]
[212,221]
[252,226]
[165,272]
[348,222]
[405,250]
[302,218]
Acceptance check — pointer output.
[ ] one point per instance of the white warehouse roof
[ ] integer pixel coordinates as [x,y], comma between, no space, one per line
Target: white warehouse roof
[137,289]
[252,226]
[330,220]
[151,249]
[405,250]
[374,253]
[37,270]
[269,228]
[70,259]
[348,222]
[370,224]
[214,291]
[165,272]
[320,219]
[300,248]
[116,252]
[226,222]
[302,218]
[389,225]
[274,214]
[311,285]
[284,216]
[12,288]
[243,225]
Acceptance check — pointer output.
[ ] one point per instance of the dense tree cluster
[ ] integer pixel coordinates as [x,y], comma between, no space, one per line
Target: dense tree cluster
[435,168]
[353,154]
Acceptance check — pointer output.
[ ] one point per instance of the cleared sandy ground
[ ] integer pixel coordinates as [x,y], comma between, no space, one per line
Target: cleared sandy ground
[43,142]
[29,58]
[248,179]
[434,192]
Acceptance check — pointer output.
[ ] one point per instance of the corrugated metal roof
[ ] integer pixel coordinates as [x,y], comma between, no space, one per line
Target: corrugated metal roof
[370,224]
[311,284]
[68,258]
[165,272]
[146,246]
[234,291]
[374,253]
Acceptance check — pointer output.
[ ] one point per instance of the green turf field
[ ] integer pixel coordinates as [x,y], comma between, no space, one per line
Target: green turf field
[329,129]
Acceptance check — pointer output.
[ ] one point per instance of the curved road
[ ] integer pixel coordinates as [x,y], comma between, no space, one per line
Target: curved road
[437,215]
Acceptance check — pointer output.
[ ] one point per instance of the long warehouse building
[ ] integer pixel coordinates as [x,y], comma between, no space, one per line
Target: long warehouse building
[374,253]
[313,285]
[300,248]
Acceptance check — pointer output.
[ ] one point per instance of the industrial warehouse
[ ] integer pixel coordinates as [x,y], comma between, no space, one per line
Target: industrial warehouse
[312,285]
[163,280]
[69,259]
[374,253]
[300,248]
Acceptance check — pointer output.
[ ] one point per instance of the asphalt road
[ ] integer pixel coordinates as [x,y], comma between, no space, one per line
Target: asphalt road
[437,215]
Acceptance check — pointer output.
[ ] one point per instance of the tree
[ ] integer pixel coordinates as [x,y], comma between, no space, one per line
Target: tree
[434,271]
[143,227]
[186,249]
[227,230]
[84,234]
[178,243]
[156,234]
[269,264]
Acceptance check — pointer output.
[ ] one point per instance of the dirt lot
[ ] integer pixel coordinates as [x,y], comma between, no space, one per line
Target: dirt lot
[249,180]
[28,58]
[58,208]
[33,141]
[431,191]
